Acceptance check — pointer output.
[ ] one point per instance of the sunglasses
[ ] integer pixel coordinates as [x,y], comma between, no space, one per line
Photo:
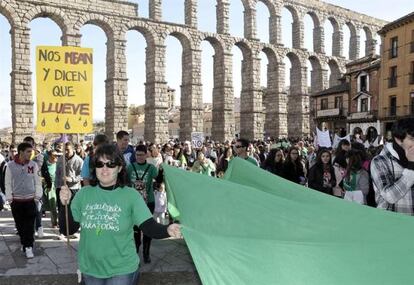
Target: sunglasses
[239,146]
[109,164]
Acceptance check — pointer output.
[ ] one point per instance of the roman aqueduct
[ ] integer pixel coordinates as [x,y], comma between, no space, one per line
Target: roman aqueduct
[116,18]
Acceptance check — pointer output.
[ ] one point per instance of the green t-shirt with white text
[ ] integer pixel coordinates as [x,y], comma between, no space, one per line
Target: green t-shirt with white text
[107,217]
[148,178]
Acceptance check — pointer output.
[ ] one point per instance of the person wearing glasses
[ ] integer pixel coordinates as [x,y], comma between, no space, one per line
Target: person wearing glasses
[241,151]
[142,175]
[107,210]
[293,169]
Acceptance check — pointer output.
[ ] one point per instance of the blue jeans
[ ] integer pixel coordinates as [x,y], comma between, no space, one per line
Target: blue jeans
[126,279]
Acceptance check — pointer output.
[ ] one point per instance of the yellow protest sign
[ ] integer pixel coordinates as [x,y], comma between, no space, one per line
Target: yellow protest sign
[64,89]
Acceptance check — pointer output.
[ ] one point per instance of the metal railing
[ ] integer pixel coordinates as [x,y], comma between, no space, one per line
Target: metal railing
[391,111]
[363,114]
[398,111]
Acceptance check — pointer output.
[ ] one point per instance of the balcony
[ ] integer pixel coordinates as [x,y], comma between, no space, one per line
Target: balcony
[398,111]
[329,112]
[412,47]
[363,115]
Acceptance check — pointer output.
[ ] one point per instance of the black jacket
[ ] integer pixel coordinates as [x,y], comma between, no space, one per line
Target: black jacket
[275,168]
[293,171]
[3,167]
[315,178]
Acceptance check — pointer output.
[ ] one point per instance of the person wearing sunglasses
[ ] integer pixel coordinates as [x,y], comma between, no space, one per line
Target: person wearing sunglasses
[107,210]
[241,151]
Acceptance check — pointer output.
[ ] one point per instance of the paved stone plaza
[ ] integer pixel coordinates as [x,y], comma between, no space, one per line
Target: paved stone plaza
[56,263]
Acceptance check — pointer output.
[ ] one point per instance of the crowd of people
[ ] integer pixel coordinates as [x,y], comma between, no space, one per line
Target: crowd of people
[36,178]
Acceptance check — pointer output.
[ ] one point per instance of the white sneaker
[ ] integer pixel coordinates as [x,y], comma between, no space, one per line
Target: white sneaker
[40,233]
[6,206]
[29,252]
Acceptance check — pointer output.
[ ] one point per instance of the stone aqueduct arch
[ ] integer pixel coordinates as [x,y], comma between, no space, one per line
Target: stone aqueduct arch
[118,17]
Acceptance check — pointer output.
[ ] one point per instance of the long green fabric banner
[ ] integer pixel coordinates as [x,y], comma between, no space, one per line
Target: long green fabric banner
[253,227]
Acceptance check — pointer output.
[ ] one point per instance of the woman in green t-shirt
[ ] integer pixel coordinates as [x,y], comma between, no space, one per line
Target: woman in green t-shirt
[107,210]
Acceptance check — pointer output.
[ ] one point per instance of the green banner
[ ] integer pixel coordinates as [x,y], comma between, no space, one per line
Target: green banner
[254,227]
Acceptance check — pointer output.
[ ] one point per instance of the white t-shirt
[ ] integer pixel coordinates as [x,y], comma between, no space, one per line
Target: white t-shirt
[156,161]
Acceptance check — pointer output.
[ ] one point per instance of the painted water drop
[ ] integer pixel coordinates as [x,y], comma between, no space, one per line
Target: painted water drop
[85,124]
[57,119]
[67,125]
[43,122]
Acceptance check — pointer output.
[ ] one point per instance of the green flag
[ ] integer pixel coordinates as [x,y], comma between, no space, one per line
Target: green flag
[256,228]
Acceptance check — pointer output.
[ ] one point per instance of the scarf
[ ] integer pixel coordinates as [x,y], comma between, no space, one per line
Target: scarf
[403,161]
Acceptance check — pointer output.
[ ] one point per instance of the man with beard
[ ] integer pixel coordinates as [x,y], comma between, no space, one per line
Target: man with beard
[189,154]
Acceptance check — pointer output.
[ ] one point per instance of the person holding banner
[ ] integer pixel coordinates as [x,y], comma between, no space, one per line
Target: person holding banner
[241,151]
[203,165]
[107,211]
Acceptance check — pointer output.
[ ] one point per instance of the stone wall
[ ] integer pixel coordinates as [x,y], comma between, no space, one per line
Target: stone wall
[118,17]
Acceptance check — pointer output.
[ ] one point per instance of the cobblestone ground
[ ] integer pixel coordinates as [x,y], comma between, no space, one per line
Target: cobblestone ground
[56,263]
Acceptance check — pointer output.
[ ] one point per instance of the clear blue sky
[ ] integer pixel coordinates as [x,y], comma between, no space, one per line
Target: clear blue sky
[46,32]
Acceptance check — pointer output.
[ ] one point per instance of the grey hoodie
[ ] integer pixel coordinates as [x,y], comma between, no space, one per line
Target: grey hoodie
[73,171]
[22,181]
